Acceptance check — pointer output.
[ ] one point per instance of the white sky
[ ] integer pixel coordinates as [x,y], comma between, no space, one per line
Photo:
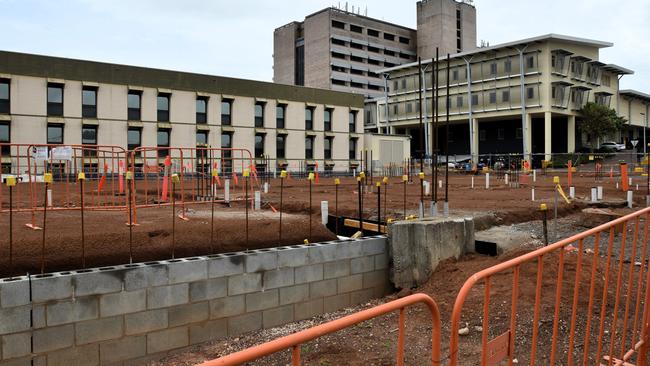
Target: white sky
[235,38]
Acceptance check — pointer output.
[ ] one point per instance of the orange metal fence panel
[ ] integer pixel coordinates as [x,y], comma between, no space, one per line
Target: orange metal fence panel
[589,303]
[294,341]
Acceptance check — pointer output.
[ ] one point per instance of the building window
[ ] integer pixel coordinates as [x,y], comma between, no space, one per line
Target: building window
[403,83]
[493,69]
[163,142]
[89,135]
[202,110]
[352,148]
[226,155]
[133,104]
[507,65]
[493,97]
[54,134]
[259,145]
[280,111]
[328,147]
[389,53]
[163,107]
[518,133]
[530,93]
[373,33]
[4,96]
[327,120]
[226,112]
[280,142]
[338,25]
[55,99]
[482,135]
[309,147]
[530,62]
[5,138]
[133,138]
[501,134]
[395,109]
[606,81]
[474,99]
[259,114]
[404,40]
[409,108]
[201,138]
[338,42]
[505,96]
[454,75]
[388,36]
[459,101]
[352,121]
[89,102]
[309,118]
[356,28]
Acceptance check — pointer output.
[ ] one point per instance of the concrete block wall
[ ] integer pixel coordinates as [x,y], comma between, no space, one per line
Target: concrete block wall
[134,313]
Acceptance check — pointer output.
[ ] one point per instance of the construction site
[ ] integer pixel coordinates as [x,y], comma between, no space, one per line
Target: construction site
[183,256]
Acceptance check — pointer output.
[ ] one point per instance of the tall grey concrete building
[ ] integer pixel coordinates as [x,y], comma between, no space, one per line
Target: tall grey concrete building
[341,50]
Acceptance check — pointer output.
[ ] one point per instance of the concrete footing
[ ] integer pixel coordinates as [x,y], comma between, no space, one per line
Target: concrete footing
[418,246]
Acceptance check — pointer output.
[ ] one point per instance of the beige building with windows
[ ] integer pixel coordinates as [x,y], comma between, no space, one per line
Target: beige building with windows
[518,96]
[340,49]
[64,101]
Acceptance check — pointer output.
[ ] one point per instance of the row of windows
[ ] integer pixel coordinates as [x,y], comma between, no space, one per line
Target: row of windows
[357,85]
[369,31]
[361,60]
[134,107]
[373,49]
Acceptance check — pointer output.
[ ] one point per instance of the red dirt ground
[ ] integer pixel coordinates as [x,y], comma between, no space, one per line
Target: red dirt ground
[106,235]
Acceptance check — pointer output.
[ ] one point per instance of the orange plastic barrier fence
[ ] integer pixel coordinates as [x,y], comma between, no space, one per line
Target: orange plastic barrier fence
[102,165]
[294,341]
[590,301]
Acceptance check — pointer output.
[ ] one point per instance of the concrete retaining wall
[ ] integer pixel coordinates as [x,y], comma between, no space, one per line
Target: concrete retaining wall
[130,314]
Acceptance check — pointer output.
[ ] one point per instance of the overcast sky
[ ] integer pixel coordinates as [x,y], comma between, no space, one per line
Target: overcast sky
[235,37]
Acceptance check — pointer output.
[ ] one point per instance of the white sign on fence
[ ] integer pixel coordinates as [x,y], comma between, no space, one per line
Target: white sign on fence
[39,153]
[62,153]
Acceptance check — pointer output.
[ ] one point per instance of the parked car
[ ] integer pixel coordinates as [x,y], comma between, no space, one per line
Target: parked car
[613,145]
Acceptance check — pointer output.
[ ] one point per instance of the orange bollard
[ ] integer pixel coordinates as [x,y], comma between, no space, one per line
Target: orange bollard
[569,174]
[624,180]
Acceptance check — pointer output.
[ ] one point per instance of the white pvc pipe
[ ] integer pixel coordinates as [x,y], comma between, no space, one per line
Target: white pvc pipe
[226,191]
[472,182]
[532,194]
[324,208]
[572,192]
[629,199]
[506,178]
[258,199]
[600,192]
[594,194]
[487,180]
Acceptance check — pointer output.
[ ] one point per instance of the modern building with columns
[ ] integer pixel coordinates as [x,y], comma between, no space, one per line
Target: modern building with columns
[520,96]
[53,100]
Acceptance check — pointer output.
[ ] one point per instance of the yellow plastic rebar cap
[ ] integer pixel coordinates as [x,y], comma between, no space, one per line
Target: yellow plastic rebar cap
[11,181]
[175,178]
[543,207]
[47,177]
[81,176]
[283,174]
[405,178]
[337,181]
[246,173]
[310,176]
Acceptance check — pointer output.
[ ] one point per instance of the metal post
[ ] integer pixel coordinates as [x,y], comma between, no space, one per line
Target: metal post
[385,196]
[523,103]
[379,207]
[386,76]
[434,135]
[81,179]
[173,216]
[544,210]
[336,203]
[11,230]
[447,139]
[283,174]
[360,205]
[47,184]
[310,203]
[420,116]
[246,176]
[404,180]
[130,224]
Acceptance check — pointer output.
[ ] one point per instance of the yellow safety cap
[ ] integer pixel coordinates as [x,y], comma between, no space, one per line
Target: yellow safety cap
[358,179]
[305,241]
[246,173]
[283,174]
[362,175]
[129,175]
[378,184]
[385,180]
[543,207]
[556,179]
[337,181]
[11,181]
[81,176]
[47,177]
[390,221]
[421,175]
[310,176]
[405,178]
[214,172]
[175,178]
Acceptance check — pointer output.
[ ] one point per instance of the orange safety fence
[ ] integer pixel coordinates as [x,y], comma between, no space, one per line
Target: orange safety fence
[102,165]
[584,300]
[295,340]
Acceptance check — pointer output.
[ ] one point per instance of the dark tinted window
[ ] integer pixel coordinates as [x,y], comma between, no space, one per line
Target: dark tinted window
[373,33]
[280,146]
[133,105]
[226,114]
[352,121]
[309,147]
[201,138]
[279,115]
[5,138]
[309,118]
[404,40]
[4,96]
[356,28]
[353,149]
[388,36]
[201,110]
[163,141]
[337,24]
[163,107]
[328,120]
[328,147]
[259,114]
[55,100]
[89,102]
[259,145]
[134,138]
[54,134]
[89,135]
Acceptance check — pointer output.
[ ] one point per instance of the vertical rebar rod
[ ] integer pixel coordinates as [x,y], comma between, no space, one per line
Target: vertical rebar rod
[360,206]
[173,218]
[404,184]
[420,114]
[246,205]
[379,207]
[11,231]
[214,196]
[310,211]
[434,132]
[336,206]
[130,198]
[280,226]
[447,136]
